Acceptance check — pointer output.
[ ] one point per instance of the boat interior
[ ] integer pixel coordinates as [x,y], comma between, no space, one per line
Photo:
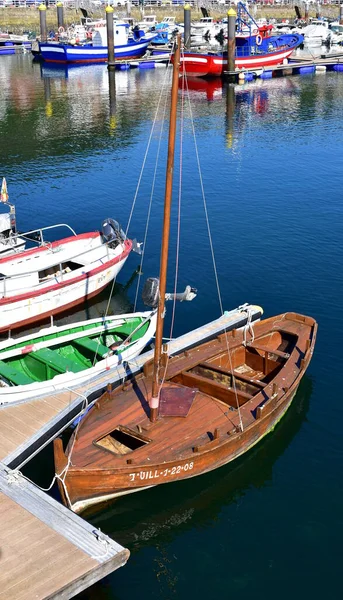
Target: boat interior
[75,355]
[58,270]
[239,375]
[228,378]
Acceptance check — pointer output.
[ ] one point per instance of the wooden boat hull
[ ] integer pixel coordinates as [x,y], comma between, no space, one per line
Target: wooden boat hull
[27,298]
[186,444]
[139,479]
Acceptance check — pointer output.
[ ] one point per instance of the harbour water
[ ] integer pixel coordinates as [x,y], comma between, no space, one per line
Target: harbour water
[271,161]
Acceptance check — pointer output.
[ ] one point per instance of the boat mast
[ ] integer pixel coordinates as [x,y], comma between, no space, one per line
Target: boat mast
[154,402]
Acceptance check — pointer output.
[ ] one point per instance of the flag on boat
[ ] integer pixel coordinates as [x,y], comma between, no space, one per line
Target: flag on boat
[3,193]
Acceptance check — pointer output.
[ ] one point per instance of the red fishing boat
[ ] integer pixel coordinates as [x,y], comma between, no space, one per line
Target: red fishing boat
[271,51]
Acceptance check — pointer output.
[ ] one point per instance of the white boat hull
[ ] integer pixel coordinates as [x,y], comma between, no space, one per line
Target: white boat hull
[26,297]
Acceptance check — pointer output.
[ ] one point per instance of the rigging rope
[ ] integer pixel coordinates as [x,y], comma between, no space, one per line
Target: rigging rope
[211,244]
[153,183]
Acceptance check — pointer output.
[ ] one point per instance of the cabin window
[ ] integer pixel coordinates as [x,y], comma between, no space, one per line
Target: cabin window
[122,441]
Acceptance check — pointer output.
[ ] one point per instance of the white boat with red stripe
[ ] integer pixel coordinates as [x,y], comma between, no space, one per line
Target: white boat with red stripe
[56,276]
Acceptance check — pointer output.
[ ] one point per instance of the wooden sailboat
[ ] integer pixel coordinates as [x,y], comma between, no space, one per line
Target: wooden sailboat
[190,413]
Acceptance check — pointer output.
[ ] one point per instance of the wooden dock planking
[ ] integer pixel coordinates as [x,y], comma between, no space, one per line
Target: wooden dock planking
[55,412]
[46,551]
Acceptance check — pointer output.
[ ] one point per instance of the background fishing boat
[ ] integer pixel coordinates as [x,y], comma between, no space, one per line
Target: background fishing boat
[126,46]
[268,52]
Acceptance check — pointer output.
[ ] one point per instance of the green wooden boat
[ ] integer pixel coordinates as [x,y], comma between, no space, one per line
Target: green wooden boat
[60,357]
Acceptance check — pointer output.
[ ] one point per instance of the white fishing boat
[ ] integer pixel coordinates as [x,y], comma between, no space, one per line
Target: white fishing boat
[55,276]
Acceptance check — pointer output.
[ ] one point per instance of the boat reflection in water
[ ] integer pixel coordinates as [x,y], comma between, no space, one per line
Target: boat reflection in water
[255,98]
[162,511]
[211,88]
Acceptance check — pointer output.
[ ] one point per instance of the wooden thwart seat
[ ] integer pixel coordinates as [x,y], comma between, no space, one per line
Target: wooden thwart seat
[56,361]
[233,373]
[261,348]
[214,388]
[13,375]
[92,346]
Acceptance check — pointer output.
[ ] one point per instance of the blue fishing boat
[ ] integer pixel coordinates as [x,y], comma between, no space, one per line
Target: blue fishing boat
[126,47]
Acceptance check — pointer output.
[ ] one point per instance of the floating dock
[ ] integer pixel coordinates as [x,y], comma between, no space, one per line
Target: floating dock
[296,66]
[46,551]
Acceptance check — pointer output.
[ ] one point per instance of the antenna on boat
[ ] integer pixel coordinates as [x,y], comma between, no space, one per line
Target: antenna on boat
[154,402]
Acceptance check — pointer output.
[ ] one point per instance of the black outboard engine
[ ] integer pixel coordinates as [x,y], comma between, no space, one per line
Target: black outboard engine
[151,292]
[112,233]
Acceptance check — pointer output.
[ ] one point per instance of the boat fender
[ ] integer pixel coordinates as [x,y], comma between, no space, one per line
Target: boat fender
[61,30]
[259,40]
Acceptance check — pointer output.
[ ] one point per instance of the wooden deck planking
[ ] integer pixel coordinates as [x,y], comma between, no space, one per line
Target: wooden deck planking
[132,414]
[45,550]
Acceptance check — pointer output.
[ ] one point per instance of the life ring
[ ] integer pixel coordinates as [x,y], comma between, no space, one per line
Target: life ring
[61,29]
[259,39]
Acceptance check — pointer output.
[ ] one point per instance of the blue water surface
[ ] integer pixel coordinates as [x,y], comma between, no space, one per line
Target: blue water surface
[271,155]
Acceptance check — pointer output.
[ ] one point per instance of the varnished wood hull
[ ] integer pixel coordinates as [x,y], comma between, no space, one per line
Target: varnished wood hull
[205,438]
[138,479]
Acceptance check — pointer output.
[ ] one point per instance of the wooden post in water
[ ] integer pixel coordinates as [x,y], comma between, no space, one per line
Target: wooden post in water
[187,26]
[42,22]
[110,37]
[231,41]
[341,14]
[60,17]
[154,402]
[306,11]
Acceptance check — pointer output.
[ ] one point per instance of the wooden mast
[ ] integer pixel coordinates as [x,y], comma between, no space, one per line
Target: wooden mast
[154,402]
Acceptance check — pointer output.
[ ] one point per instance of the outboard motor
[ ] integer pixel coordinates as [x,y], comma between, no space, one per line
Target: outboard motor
[112,233]
[151,292]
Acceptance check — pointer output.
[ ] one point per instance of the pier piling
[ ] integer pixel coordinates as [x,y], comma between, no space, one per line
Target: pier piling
[231,40]
[110,37]
[42,23]
[187,26]
[60,16]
